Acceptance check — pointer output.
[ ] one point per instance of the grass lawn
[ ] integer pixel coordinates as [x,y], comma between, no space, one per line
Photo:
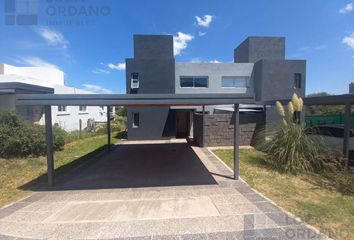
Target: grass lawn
[309,197]
[20,175]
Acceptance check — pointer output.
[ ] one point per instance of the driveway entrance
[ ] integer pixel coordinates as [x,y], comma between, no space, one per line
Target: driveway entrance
[150,191]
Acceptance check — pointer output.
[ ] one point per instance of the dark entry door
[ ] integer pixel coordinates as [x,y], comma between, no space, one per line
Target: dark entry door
[183,120]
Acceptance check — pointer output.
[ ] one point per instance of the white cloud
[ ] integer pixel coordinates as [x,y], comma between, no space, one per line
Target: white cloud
[180,42]
[214,61]
[201,34]
[349,40]
[348,8]
[53,37]
[100,71]
[37,62]
[119,66]
[204,21]
[95,88]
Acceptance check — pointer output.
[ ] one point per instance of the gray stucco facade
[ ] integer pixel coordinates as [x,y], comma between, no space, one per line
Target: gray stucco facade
[259,69]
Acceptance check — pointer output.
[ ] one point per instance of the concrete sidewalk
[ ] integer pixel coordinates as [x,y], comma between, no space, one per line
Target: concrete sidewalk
[178,192]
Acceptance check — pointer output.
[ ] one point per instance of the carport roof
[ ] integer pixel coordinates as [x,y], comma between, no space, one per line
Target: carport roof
[321,100]
[132,99]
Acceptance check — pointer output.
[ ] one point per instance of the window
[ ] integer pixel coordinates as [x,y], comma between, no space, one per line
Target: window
[61,108]
[234,82]
[134,81]
[82,108]
[201,82]
[136,120]
[297,80]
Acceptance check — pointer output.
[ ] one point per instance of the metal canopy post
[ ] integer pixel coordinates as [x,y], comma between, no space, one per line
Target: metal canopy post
[347,123]
[236,140]
[109,128]
[49,144]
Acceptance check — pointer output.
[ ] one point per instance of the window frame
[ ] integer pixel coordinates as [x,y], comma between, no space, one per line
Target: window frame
[134,118]
[64,108]
[297,81]
[82,106]
[193,78]
[246,78]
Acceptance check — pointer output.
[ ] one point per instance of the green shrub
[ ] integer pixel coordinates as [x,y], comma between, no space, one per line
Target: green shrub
[290,148]
[20,139]
[119,124]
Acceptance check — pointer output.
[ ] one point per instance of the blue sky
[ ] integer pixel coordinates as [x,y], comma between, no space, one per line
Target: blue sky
[91,50]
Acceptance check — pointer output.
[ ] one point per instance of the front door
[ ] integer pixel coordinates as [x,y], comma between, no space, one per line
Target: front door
[182,124]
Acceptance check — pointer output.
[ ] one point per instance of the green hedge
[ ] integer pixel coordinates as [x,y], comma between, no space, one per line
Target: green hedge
[20,139]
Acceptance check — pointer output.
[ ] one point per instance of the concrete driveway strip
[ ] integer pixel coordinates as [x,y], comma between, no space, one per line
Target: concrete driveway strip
[151,191]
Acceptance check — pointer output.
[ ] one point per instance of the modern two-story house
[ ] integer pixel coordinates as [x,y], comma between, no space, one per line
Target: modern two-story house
[259,69]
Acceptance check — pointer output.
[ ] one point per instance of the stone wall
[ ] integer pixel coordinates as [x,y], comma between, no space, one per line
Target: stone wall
[218,129]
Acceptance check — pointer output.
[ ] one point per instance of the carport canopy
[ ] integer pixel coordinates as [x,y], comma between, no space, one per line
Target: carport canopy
[142,100]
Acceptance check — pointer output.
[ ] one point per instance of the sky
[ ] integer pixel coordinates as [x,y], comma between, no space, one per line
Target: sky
[89,40]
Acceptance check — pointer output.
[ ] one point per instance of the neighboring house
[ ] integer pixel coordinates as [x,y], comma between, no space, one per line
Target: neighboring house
[351,88]
[41,80]
[259,68]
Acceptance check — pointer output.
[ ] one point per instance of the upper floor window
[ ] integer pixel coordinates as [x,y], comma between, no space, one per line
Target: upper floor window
[201,82]
[234,82]
[82,108]
[61,108]
[134,84]
[297,80]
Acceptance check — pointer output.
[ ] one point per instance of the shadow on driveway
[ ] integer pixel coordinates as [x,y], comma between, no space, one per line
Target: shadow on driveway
[139,165]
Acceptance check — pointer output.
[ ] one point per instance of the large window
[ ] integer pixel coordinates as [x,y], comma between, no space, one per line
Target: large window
[136,121]
[297,80]
[82,108]
[234,82]
[201,82]
[61,108]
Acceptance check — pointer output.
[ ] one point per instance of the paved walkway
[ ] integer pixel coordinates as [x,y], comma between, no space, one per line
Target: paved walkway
[150,191]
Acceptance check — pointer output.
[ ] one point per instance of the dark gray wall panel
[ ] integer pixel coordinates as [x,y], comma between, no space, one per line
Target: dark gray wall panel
[274,79]
[155,123]
[153,46]
[155,75]
[257,48]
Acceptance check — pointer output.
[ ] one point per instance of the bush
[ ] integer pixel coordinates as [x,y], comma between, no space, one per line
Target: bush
[290,148]
[119,124]
[20,139]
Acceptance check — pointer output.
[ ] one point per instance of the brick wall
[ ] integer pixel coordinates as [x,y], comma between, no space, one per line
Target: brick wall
[218,129]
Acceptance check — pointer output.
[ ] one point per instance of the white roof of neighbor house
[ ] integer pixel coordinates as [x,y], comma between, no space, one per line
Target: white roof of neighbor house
[46,75]
[39,76]
[58,89]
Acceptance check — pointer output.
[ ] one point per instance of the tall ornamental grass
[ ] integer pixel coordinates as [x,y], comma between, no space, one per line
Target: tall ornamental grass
[290,148]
